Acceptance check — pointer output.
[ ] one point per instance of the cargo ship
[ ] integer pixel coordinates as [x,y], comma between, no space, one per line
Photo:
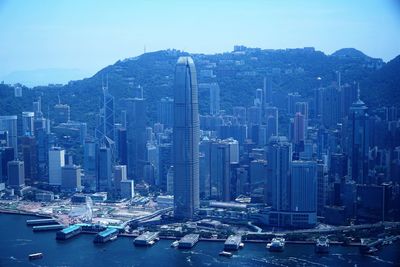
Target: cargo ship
[35,256]
[188,241]
[277,244]
[233,242]
[146,239]
[68,232]
[106,235]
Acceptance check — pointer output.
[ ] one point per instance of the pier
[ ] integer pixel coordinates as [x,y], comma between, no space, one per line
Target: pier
[106,235]
[41,222]
[188,241]
[68,232]
[146,239]
[233,242]
[50,227]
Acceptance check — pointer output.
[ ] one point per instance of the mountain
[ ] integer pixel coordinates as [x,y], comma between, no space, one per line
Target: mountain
[239,73]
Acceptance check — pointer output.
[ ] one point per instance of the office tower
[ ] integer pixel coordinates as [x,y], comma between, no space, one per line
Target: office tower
[104,169]
[61,113]
[9,124]
[337,167]
[330,105]
[27,123]
[254,115]
[293,98]
[240,114]
[16,174]
[136,136]
[37,108]
[122,146]
[358,141]
[279,158]
[318,103]
[214,99]
[120,174]
[302,107]
[303,186]
[258,101]
[164,163]
[56,162]
[6,155]
[220,171]
[170,180]
[233,150]
[71,178]
[109,116]
[165,112]
[299,130]
[90,164]
[205,163]
[3,138]
[186,140]
[271,114]
[29,154]
[267,91]
[18,91]
[322,188]
[258,174]
[348,97]
[127,189]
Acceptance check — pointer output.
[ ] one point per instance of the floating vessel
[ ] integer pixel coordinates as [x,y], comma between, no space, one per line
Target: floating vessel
[277,244]
[35,256]
[241,245]
[322,245]
[233,242]
[174,244]
[188,241]
[225,254]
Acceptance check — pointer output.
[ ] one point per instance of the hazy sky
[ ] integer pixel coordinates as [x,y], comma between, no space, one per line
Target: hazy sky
[88,35]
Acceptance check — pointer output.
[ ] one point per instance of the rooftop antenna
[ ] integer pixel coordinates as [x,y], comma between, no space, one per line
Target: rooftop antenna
[59,101]
[358,91]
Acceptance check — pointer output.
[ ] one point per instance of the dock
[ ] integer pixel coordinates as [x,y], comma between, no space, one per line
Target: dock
[50,227]
[233,242]
[106,235]
[146,239]
[68,232]
[41,222]
[188,241]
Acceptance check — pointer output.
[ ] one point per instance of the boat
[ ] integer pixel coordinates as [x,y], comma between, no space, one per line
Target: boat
[241,245]
[225,254]
[277,244]
[35,256]
[188,241]
[322,245]
[174,244]
[113,238]
[146,239]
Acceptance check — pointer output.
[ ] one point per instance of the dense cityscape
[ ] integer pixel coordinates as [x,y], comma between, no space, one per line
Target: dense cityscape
[250,152]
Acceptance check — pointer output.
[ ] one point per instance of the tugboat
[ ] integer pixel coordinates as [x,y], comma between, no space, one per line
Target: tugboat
[277,244]
[35,256]
[225,254]
[322,245]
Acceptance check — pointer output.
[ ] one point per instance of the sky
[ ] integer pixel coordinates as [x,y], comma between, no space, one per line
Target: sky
[76,38]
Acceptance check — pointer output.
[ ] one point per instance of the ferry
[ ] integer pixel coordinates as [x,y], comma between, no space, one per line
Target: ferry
[225,254]
[277,244]
[322,245]
[146,239]
[241,245]
[233,242]
[35,256]
[174,244]
[188,241]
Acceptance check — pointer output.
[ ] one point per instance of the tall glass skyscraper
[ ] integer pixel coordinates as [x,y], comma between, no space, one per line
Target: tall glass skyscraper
[186,140]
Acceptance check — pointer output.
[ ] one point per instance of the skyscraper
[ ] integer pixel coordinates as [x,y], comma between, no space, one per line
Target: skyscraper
[108,106]
[56,162]
[303,186]
[27,123]
[165,111]
[9,124]
[214,99]
[186,140]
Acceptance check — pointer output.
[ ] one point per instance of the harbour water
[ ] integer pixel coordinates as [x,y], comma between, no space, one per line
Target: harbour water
[17,241]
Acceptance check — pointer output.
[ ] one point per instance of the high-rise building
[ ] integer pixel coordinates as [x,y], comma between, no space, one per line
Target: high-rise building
[6,155]
[186,140]
[29,154]
[164,163]
[330,105]
[136,136]
[359,141]
[71,178]
[220,171]
[293,98]
[27,123]
[165,112]
[214,99]
[279,158]
[9,124]
[16,174]
[271,114]
[303,186]
[299,129]
[61,113]
[104,167]
[109,116]
[56,162]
